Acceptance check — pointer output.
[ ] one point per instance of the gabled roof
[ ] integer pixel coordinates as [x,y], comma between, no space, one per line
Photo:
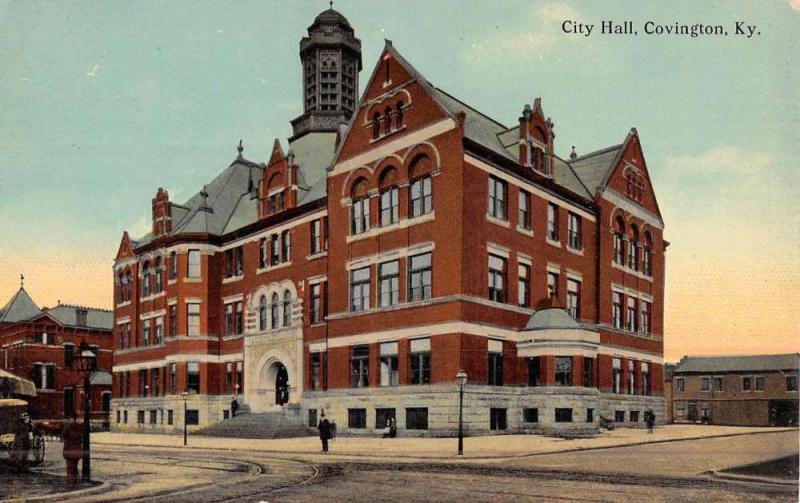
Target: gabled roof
[594,168]
[21,307]
[67,314]
[739,363]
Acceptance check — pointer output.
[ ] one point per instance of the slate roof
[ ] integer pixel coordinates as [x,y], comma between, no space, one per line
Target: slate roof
[552,318]
[67,314]
[593,167]
[744,363]
[230,206]
[20,307]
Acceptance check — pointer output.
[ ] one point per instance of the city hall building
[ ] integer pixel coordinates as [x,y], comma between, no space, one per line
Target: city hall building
[392,241]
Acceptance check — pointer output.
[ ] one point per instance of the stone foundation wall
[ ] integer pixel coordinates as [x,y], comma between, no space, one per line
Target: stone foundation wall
[210,409]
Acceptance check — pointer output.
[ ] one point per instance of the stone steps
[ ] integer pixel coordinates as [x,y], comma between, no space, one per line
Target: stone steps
[260,425]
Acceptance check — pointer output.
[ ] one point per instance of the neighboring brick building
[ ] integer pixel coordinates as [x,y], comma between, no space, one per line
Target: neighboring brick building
[753,390]
[360,269]
[42,345]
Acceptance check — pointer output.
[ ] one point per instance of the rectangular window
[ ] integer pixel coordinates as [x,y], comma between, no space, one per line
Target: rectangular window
[192,417]
[389,283]
[420,201]
[68,355]
[552,284]
[383,417]
[680,384]
[497,278]
[589,415]
[619,248]
[170,417]
[193,377]
[359,366]
[534,366]
[275,250]
[356,418]
[564,370]
[646,260]
[705,384]
[588,371]
[239,385]
[155,385]
[524,211]
[759,383]
[616,375]
[574,237]
[146,332]
[497,419]
[173,378]
[634,415]
[316,371]
[644,322]
[530,415]
[574,298]
[193,264]
[173,265]
[619,416]
[631,315]
[633,255]
[160,330]
[263,253]
[791,383]
[192,319]
[312,418]
[420,364]
[316,236]
[359,289]
[563,415]
[419,277]
[153,416]
[495,372]
[552,222]
[389,364]
[173,320]
[645,378]
[717,383]
[631,376]
[390,204]
[417,418]
[228,377]
[497,198]
[140,417]
[143,382]
[746,383]
[359,216]
[286,246]
[316,303]
[523,285]
[616,310]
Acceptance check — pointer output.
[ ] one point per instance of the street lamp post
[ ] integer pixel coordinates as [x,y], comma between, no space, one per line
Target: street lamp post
[185,396]
[88,363]
[461,378]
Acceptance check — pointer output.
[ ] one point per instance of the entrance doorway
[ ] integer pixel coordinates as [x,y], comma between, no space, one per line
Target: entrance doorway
[281,384]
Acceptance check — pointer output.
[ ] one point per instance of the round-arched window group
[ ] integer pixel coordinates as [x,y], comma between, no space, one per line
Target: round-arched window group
[631,248]
[391,120]
[275,313]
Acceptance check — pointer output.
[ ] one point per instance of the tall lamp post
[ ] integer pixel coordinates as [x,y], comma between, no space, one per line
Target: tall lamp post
[88,364]
[461,378]
[185,396]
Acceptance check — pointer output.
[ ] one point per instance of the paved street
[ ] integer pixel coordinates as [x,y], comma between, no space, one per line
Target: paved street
[665,471]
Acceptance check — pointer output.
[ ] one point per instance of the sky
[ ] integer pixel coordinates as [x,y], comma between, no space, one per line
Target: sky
[103,102]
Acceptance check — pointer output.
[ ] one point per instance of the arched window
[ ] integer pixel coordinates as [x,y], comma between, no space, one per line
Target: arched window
[262,313]
[128,285]
[376,125]
[633,249]
[619,240]
[399,117]
[387,120]
[157,275]
[359,212]
[121,288]
[389,197]
[647,250]
[146,279]
[420,199]
[274,310]
[287,308]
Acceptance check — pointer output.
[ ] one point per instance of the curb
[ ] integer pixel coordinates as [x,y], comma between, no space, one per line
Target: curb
[721,474]
[450,457]
[64,495]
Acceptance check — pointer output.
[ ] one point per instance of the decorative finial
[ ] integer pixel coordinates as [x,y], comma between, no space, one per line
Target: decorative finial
[204,195]
[240,148]
[573,155]
[331,4]
[21,281]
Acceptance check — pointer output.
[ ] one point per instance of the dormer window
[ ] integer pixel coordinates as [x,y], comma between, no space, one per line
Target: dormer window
[275,203]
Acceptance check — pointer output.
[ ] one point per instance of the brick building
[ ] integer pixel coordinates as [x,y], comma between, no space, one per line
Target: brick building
[753,390]
[42,345]
[397,239]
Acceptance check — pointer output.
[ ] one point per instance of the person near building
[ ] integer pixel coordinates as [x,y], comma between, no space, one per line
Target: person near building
[324,432]
[650,419]
[73,449]
[234,407]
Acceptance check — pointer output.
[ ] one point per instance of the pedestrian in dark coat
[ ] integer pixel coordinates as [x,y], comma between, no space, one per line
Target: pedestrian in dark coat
[234,407]
[650,419]
[73,449]
[324,432]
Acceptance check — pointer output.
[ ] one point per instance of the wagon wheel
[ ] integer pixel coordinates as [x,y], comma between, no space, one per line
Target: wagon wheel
[37,448]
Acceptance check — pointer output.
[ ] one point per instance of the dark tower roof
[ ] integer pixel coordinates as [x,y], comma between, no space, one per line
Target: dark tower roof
[330,17]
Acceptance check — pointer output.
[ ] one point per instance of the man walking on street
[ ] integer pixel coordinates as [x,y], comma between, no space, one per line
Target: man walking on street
[324,432]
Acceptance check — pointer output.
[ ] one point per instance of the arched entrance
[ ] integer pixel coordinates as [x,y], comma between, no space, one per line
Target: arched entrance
[281,384]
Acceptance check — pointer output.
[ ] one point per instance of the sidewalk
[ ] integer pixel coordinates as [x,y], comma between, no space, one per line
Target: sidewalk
[484,447]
